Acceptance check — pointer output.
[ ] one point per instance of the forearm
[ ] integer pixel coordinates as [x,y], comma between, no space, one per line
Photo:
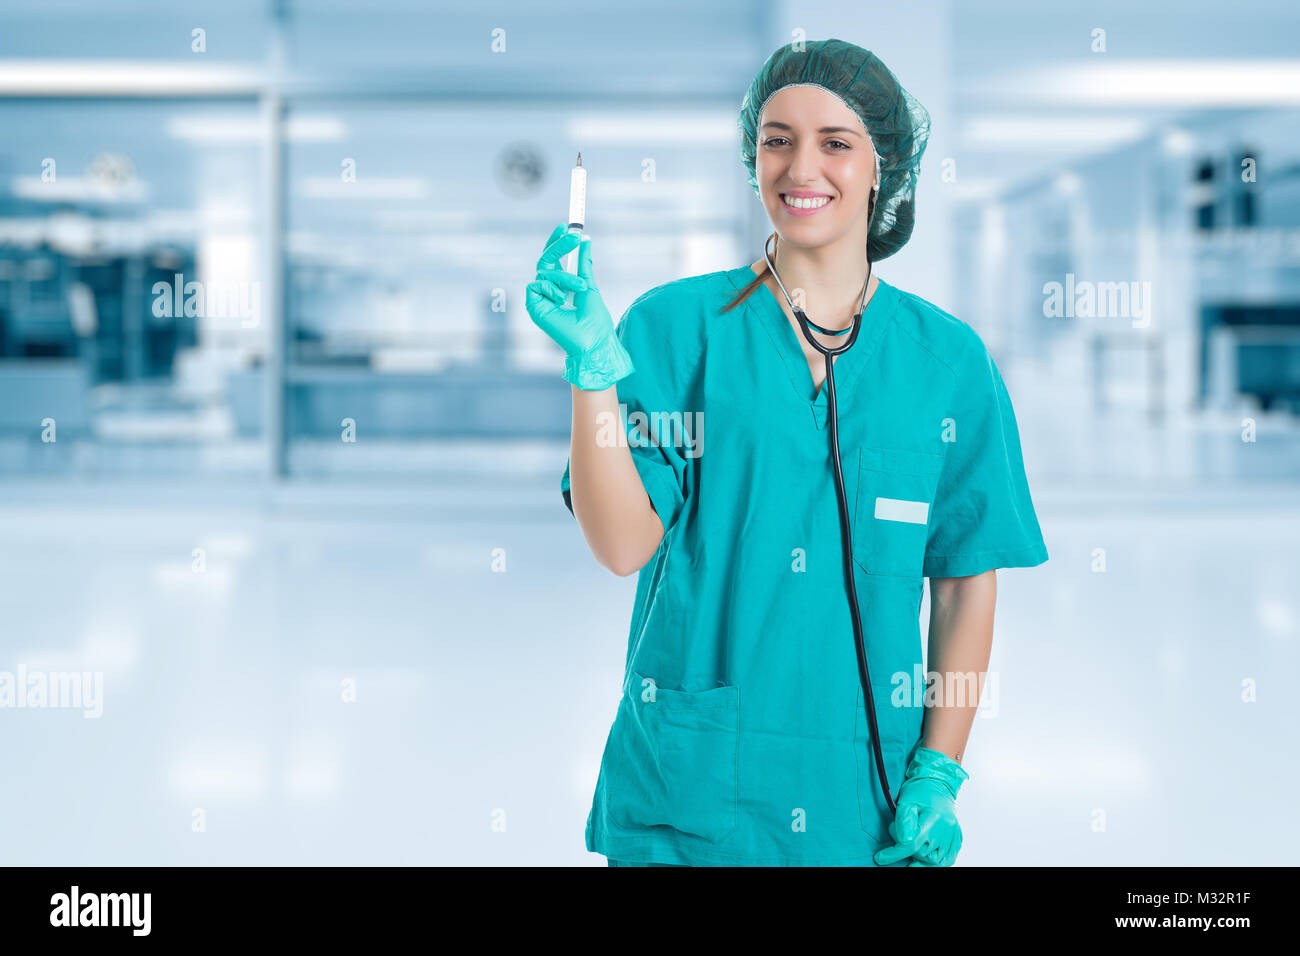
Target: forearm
[961,641]
[608,497]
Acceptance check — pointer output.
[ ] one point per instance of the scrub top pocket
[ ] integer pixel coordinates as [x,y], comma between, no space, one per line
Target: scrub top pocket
[896,489]
[673,759]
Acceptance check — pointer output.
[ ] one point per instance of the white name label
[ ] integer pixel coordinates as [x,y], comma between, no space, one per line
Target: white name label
[896,509]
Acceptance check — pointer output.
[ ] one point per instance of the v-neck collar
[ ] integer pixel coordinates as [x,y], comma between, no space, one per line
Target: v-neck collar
[767,311]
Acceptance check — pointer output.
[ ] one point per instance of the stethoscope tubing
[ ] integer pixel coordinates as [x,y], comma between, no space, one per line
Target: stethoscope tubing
[846,536]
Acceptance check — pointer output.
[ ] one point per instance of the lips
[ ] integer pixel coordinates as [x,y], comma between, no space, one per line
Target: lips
[803,196]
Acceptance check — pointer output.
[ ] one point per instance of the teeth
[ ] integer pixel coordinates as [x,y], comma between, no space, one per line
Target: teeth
[806,203]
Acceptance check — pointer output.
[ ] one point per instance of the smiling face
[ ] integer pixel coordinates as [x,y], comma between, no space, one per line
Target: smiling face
[815,168]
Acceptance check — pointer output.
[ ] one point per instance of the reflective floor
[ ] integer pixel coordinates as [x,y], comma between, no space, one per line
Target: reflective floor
[420,673]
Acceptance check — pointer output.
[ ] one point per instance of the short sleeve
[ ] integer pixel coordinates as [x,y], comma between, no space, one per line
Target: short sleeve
[982,517]
[659,429]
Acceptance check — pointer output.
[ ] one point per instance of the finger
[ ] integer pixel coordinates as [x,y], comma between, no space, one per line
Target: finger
[954,847]
[556,250]
[920,851]
[940,855]
[920,863]
[545,312]
[566,280]
[546,289]
[556,233]
[892,854]
[931,851]
[584,261]
[948,854]
[941,843]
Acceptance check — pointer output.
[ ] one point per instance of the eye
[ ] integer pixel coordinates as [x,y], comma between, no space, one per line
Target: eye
[781,139]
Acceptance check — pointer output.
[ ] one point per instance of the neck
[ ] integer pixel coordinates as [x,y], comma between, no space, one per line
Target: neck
[831,278]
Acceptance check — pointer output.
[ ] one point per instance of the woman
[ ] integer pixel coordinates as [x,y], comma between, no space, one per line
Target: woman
[744,735]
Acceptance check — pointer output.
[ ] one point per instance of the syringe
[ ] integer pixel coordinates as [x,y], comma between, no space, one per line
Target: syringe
[577,215]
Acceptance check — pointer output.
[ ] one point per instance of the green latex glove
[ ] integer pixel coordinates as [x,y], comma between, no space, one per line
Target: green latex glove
[925,826]
[594,357]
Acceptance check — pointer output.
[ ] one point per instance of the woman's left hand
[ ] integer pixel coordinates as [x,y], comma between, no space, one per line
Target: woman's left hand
[925,827]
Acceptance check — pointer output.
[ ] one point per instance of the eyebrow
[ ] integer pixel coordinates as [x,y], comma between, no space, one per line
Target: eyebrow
[824,129]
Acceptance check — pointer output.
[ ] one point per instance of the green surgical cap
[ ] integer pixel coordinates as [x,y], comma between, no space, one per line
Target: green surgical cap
[896,123]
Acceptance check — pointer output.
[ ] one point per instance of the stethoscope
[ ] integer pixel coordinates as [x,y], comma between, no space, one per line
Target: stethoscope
[846,536]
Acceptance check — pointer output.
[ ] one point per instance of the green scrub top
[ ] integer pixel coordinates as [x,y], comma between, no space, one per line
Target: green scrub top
[741,737]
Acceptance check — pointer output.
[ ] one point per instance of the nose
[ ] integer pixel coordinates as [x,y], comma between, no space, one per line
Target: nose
[805,164]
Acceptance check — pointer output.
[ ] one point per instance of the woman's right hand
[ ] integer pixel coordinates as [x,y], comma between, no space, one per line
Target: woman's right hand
[594,357]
